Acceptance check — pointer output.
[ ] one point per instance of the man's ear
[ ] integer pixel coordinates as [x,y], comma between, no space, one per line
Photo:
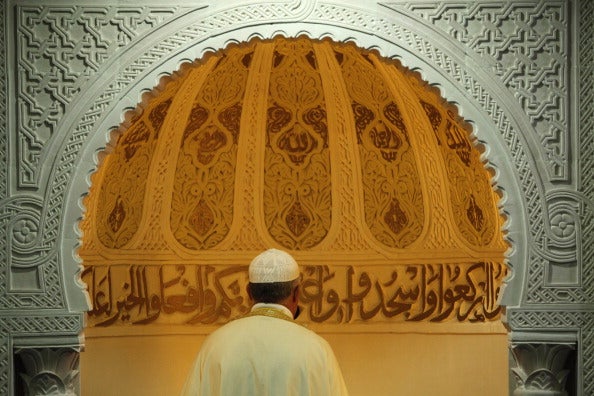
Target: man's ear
[296,293]
[249,292]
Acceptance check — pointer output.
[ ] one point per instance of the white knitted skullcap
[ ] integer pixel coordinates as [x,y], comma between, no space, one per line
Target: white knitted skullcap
[273,265]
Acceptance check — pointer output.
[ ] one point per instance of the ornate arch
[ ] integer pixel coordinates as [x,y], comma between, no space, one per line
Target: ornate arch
[547,186]
[344,174]
[498,131]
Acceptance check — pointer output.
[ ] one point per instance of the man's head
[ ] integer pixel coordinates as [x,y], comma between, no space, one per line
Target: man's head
[274,278]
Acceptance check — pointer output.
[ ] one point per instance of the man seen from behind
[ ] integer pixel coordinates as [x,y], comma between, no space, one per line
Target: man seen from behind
[266,353]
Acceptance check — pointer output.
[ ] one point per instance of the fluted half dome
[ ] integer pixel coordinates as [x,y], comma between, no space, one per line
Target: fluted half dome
[345,158]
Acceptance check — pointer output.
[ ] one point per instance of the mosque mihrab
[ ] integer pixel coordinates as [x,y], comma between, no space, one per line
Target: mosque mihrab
[429,164]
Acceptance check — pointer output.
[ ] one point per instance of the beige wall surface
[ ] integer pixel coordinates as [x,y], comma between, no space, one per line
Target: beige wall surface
[378,364]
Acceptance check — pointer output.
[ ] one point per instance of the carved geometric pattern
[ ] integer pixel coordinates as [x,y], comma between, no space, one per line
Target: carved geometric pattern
[3,110]
[48,371]
[5,361]
[541,367]
[23,245]
[586,141]
[554,320]
[549,319]
[527,46]
[565,228]
[587,340]
[586,97]
[536,292]
[59,49]
[50,324]
[36,324]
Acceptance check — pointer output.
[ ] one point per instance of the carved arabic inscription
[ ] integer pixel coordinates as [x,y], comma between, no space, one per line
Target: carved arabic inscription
[202,294]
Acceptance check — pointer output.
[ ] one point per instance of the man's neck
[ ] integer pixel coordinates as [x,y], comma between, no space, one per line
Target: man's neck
[278,307]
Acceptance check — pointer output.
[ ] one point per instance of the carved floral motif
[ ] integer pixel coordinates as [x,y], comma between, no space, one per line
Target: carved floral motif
[472,201]
[202,208]
[293,179]
[297,163]
[394,210]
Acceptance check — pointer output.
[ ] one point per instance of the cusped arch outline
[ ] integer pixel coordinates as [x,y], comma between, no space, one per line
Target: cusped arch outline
[90,121]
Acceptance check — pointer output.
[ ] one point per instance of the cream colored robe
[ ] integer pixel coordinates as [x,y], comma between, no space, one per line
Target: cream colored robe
[263,355]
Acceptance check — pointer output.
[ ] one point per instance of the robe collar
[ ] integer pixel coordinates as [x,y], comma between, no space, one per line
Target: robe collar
[273,310]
